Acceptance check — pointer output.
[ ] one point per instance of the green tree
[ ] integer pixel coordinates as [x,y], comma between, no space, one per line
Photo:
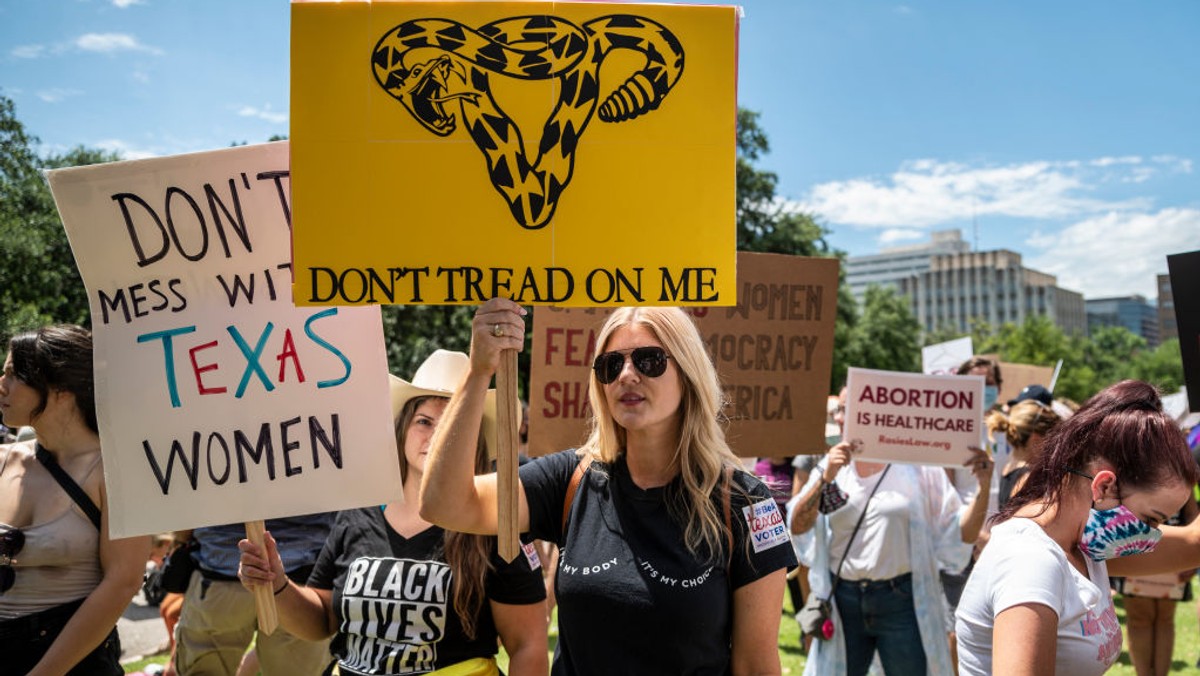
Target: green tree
[1162,366]
[1090,363]
[39,283]
[765,224]
[887,336]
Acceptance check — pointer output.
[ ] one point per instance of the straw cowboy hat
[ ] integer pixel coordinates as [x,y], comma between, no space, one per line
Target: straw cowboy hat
[439,376]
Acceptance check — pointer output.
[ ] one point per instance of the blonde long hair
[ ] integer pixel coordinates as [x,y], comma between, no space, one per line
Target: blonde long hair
[1024,419]
[703,453]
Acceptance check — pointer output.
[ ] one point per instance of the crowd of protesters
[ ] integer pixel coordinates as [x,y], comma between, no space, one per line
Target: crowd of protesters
[921,569]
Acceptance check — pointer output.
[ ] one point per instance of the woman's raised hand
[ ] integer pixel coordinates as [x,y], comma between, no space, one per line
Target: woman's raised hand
[980,465]
[499,324]
[838,457]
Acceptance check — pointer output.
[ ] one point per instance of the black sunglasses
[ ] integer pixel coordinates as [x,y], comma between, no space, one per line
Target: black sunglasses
[649,361]
[11,542]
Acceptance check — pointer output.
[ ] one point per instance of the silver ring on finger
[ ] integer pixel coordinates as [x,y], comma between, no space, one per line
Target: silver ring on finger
[497,330]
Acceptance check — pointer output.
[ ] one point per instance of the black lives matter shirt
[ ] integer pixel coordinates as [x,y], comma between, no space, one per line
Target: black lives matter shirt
[394,597]
[632,599]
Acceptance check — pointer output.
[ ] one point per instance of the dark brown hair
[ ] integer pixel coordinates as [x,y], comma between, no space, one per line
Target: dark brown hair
[468,555]
[1123,425]
[57,358]
[976,362]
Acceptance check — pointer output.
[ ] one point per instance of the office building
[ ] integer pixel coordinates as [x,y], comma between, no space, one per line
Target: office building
[991,286]
[892,265]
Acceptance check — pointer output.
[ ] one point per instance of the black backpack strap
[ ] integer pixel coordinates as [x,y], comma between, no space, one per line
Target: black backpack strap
[68,484]
[576,477]
[728,509]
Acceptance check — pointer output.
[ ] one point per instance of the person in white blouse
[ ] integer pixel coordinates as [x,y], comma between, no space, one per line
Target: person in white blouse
[887,597]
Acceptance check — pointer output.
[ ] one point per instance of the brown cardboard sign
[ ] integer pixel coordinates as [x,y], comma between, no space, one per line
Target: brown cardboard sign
[773,352]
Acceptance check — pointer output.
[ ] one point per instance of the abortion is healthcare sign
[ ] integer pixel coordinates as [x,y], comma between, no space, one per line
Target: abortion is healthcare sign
[556,153]
[914,418]
[219,401]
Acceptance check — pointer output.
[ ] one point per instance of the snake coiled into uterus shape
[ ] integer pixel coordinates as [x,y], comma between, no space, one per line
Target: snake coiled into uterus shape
[432,65]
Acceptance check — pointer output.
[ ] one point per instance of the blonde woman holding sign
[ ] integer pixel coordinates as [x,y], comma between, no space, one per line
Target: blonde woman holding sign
[401,595]
[673,557]
[63,581]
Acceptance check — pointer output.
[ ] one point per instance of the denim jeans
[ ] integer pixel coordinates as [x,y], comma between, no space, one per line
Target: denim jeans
[879,615]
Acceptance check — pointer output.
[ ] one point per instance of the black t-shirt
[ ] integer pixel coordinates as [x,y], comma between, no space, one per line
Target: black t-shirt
[394,597]
[631,597]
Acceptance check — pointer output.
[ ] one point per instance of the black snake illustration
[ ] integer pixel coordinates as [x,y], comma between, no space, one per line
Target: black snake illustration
[527,48]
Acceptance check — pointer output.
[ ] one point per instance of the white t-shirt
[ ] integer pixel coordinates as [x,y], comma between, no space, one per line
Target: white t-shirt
[1021,564]
[880,551]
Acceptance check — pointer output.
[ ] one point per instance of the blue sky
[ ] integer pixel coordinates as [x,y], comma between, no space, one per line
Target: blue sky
[1066,131]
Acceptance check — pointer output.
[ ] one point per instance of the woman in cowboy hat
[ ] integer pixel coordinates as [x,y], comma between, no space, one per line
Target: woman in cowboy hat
[673,557]
[399,594]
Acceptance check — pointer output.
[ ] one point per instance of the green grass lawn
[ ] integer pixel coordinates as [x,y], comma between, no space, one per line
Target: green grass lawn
[791,656]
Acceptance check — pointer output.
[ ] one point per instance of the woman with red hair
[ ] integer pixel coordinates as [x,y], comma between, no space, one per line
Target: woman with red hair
[1106,480]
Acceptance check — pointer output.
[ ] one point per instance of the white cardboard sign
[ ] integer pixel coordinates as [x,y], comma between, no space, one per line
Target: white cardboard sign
[914,418]
[218,400]
[945,358]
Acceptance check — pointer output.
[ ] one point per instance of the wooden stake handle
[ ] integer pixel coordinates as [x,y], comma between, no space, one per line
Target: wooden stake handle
[507,423]
[264,597]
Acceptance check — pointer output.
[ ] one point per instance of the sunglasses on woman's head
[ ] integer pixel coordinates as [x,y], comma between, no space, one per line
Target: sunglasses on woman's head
[649,361]
[11,542]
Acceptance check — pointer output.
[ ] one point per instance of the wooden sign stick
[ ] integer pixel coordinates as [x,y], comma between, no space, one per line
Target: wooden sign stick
[264,598]
[507,423]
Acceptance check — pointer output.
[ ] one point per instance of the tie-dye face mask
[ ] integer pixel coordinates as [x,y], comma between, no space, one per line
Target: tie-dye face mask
[1110,533]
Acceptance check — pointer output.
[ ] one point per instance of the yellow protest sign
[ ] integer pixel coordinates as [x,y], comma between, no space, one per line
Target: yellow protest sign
[569,153]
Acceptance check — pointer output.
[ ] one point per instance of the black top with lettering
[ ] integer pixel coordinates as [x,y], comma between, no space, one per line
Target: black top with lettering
[394,597]
[631,597]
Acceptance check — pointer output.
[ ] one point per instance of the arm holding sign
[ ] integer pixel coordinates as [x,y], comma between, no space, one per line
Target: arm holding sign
[303,612]
[452,495]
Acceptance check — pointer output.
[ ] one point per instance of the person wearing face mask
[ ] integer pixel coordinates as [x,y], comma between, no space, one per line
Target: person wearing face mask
[1106,479]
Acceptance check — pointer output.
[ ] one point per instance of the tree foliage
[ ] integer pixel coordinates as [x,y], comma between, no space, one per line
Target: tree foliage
[39,283]
[886,336]
[1090,363]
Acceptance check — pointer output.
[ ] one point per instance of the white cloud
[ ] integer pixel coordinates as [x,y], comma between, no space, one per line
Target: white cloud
[57,94]
[1175,164]
[28,51]
[1116,253]
[928,192]
[264,113]
[127,3]
[108,43]
[126,150]
[902,9]
[1110,161]
[893,235]
[140,76]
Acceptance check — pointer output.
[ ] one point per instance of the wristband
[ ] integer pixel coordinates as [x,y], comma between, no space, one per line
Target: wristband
[285,586]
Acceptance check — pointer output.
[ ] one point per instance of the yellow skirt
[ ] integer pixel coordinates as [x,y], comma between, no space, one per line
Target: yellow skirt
[479,666]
